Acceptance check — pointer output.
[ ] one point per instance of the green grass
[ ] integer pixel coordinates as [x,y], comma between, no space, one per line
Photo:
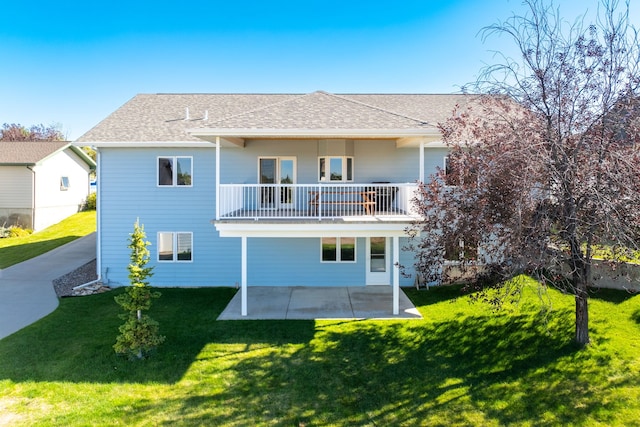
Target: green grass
[18,249]
[462,365]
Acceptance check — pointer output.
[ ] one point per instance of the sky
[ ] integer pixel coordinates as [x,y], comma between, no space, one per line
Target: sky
[72,63]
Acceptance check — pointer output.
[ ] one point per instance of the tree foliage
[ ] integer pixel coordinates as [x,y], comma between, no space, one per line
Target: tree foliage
[545,166]
[139,334]
[17,132]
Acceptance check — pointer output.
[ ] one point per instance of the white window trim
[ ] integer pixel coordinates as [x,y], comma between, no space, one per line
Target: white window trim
[174,178]
[344,168]
[174,249]
[338,247]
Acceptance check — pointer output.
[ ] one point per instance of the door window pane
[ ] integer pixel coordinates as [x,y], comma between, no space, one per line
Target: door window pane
[378,262]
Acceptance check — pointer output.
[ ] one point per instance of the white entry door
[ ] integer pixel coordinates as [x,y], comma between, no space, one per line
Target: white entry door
[378,262]
[274,171]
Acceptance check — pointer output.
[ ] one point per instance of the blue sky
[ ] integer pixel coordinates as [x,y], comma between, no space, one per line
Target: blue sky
[73,63]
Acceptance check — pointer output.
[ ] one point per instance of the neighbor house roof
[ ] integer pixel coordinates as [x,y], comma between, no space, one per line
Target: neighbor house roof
[178,117]
[31,153]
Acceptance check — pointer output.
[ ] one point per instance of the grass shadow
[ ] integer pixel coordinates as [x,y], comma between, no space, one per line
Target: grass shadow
[395,373]
[74,343]
[614,296]
[435,294]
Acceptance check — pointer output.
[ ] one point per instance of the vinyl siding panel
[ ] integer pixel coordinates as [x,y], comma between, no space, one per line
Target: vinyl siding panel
[128,191]
[52,203]
[16,195]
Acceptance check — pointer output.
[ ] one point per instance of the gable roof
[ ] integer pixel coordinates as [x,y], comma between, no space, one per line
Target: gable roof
[179,117]
[31,153]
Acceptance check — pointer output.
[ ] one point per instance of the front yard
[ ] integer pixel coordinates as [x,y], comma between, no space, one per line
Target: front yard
[462,365]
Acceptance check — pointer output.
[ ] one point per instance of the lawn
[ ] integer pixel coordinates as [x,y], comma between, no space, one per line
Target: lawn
[17,249]
[462,365]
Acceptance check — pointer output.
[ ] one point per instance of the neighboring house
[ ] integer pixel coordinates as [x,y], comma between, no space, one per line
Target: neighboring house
[266,190]
[42,182]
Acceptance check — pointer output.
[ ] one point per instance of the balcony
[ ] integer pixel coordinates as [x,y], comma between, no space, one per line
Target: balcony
[355,202]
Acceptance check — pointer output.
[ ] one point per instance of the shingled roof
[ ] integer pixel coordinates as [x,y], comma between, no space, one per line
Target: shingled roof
[163,117]
[30,153]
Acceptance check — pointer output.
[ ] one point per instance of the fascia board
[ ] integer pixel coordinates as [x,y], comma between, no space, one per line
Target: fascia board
[145,144]
[313,133]
[289,230]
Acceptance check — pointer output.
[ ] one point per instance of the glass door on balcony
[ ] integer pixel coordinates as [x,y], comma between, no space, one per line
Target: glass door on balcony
[273,171]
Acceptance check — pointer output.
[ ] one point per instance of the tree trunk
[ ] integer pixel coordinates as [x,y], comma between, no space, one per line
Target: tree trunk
[582,319]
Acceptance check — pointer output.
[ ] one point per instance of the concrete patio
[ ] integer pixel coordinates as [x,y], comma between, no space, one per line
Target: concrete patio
[328,302]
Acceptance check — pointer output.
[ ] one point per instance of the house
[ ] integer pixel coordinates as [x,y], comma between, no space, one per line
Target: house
[266,189]
[43,182]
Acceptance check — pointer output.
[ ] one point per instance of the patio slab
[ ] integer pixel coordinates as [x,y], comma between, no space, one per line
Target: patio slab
[326,302]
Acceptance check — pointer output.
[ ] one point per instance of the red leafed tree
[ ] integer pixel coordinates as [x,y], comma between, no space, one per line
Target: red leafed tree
[544,167]
[16,132]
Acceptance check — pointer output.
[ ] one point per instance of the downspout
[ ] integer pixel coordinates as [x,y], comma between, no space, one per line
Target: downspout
[33,198]
[98,226]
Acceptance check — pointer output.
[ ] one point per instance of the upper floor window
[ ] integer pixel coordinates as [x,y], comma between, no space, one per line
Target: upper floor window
[175,171]
[456,172]
[335,169]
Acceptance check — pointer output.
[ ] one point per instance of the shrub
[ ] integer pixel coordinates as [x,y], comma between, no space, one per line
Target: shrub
[14,231]
[90,203]
[139,334]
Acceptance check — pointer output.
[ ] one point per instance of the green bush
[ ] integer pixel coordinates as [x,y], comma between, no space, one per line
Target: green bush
[90,203]
[14,231]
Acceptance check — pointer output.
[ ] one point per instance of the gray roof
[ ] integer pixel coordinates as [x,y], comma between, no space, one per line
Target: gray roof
[29,153]
[163,117]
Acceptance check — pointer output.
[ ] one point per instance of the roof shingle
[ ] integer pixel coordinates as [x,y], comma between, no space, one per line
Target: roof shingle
[163,117]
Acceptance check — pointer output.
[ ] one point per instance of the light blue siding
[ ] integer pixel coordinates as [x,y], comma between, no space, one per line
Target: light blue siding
[129,191]
[296,262]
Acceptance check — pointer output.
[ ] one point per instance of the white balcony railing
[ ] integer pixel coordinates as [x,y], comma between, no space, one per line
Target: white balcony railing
[314,201]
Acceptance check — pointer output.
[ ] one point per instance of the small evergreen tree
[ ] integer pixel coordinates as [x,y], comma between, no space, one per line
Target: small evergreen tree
[139,334]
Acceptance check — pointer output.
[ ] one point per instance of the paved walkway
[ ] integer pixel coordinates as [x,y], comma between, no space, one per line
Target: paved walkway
[26,291]
[328,302]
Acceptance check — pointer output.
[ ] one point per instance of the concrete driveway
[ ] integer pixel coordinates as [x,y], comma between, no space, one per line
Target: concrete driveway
[26,291]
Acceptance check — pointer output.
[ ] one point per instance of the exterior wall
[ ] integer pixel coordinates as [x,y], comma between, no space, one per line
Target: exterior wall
[16,196]
[128,190]
[374,160]
[52,203]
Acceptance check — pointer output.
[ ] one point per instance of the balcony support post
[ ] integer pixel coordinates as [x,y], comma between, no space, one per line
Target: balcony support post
[396,275]
[243,290]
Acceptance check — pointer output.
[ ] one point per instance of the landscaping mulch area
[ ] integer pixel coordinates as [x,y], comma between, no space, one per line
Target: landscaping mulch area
[64,285]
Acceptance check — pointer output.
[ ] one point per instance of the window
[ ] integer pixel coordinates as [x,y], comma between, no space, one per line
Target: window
[175,247]
[64,183]
[464,250]
[174,171]
[335,169]
[456,172]
[338,249]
